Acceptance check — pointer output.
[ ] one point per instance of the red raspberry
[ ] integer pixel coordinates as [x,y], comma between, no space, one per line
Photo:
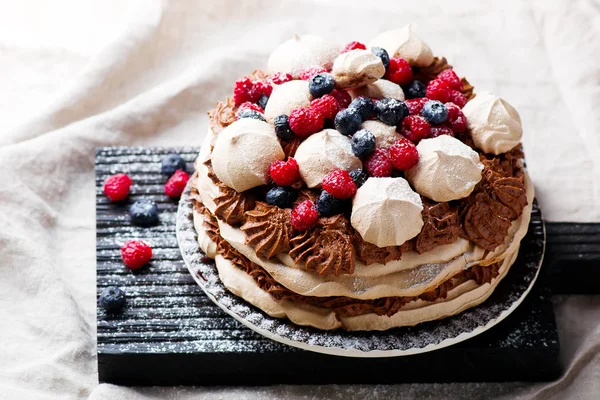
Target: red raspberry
[284,173]
[449,77]
[440,130]
[354,46]
[399,71]
[339,184]
[135,254]
[248,106]
[279,78]
[305,121]
[262,88]
[304,216]
[379,164]
[310,72]
[116,187]
[404,154]
[416,105]
[343,98]
[327,106]
[437,90]
[176,183]
[458,98]
[417,125]
[243,91]
[456,119]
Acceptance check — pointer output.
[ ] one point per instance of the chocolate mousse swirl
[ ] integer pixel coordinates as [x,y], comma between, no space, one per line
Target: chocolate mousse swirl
[267,230]
[368,253]
[441,225]
[327,248]
[427,74]
[232,206]
[498,199]
[467,88]
[222,116]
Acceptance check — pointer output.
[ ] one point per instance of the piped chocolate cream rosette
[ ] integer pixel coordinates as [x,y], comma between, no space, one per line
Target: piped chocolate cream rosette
[362,188]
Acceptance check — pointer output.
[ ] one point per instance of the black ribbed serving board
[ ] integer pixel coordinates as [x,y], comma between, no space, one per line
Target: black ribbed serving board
[170,333]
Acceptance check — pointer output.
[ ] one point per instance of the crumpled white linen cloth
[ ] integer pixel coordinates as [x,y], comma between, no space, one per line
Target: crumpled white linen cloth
[76,75]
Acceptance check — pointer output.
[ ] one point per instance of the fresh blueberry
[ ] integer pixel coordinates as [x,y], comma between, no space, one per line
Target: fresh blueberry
[383,54]
[363,143]
[390,111]
[347,121]
[282,127]
[321,84]
[359,177]
[112,299]
[144,213]
[415,90]
[171,163]
[282,197]
[262,101]
[327,205]
[435,112]
[363,105]
[249,113]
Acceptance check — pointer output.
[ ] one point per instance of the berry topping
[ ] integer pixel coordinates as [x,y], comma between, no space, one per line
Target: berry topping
[383,54]
[416,105]
[321,84]
[364,106]
[390,111]
[136,254]
[399,71]
[248,113]
[435,112]
[342,97]
[304,216]
[449,77]
[171,163]
[363,143]
[354,46]
[404,154]
[144,213]
[327,106]
[436,131]
[282,197]
[279,77]
[339,184]
[282,127]
[112,299]
[458,98]
[249,106]
[379,164]
[347,121]
[437,90]
[418,126]
[415,89]
[262,101]
[261,88]
[243,91]
[359,177]
[456,119]
[327,205]
[176,184]
[310,72]
[116,187]
[284,173]
[305,121]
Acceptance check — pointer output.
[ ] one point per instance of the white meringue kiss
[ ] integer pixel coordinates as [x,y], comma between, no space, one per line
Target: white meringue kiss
[405,44]
[385,135]
[356,68]
[447,169]
[495,125]
[302,52]
[286,97]
[382,88]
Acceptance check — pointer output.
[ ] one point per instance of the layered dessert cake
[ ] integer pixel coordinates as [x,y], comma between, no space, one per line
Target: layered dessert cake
[362,187]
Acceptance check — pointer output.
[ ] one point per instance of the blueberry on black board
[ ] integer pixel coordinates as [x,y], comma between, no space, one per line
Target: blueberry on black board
[415,90]
[282,128]
[282,197]
[144,213]
[363,143]
[383,54]
[321,84]
[435,112]
[390,111]
[171,163]
[363,105]
[347,121]
[262,101]
[359,177]
[248,113]
[112,299]
[327,205]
